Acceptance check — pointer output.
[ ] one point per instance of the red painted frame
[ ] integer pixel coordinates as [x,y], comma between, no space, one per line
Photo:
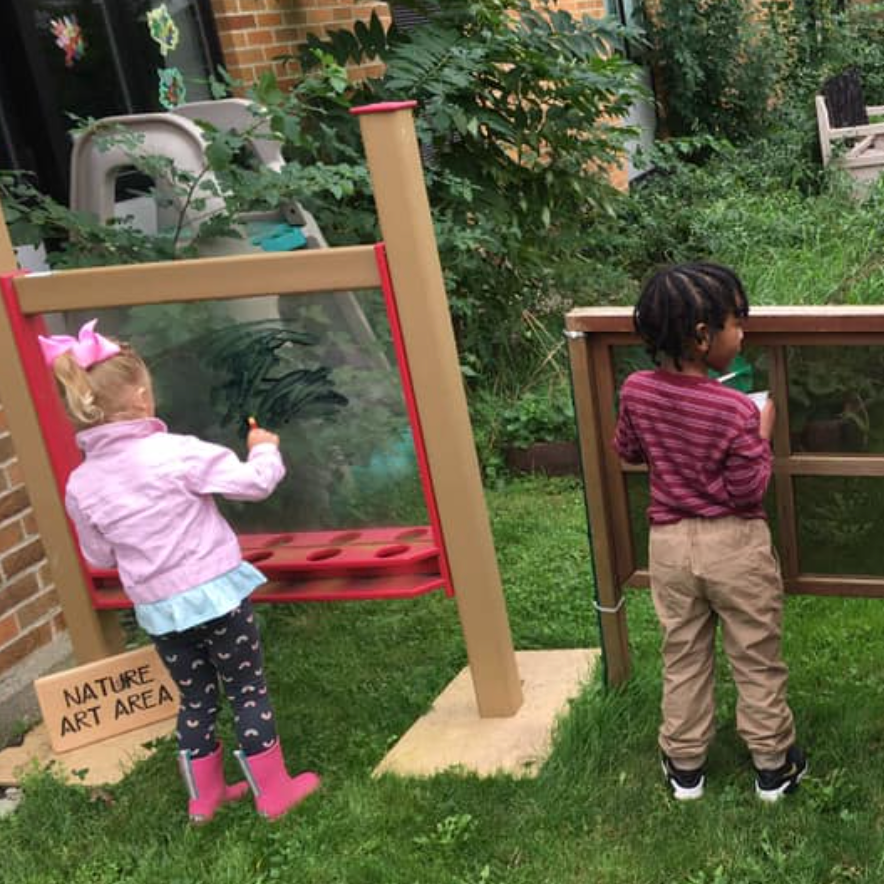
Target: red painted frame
[357,564]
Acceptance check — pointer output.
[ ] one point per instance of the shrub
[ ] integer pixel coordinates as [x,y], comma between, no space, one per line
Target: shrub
[717,63]
[519,108]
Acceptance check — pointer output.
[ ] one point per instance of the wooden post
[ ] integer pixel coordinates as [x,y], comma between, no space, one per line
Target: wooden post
[93,635]
[404,213]
[608,592]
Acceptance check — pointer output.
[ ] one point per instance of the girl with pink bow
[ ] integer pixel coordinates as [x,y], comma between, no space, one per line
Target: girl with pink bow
[142,502]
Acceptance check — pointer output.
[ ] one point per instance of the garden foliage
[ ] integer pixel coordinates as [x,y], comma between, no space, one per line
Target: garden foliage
[520,116]
[519,112]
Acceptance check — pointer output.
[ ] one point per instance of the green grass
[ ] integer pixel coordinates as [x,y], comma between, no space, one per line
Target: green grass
[348,679]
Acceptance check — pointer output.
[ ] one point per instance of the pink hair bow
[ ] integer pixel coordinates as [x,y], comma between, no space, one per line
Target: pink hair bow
[87,348]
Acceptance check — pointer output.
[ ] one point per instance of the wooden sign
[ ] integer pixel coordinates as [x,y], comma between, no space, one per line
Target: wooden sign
[99,700]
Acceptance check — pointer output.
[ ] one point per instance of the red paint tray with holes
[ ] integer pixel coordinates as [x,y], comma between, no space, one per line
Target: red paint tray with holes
[368,563]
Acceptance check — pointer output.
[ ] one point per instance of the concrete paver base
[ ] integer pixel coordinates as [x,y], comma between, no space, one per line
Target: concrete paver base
[452,735]
[97,764]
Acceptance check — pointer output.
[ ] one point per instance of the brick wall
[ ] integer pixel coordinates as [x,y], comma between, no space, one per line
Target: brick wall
[254,32]
[30,616]
[595,8]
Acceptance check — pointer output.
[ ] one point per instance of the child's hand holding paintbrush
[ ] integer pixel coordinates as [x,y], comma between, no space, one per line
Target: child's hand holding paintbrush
[258,436]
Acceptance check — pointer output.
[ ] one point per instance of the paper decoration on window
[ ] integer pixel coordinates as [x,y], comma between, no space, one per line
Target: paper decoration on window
[69,37]
[163,29]
[172,89]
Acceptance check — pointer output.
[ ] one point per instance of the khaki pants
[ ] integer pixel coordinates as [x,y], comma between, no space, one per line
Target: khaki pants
[704,570]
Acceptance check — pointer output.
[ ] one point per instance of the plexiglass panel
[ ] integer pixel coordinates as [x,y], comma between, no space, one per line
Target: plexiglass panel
[836,398]
[627,360]
[317,369]
[840,524]
[638,497]
[749,372]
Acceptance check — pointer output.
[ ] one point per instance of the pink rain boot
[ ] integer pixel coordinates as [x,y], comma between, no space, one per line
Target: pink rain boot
[274,790]
[204,778]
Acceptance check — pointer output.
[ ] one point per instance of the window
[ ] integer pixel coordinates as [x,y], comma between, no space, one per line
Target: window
[88,58]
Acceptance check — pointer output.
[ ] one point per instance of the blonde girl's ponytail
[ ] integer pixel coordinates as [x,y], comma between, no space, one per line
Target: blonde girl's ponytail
[79,397]
[105,391]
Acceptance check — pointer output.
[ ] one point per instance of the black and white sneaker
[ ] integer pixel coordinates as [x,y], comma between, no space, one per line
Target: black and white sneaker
[686,785]
[771,785]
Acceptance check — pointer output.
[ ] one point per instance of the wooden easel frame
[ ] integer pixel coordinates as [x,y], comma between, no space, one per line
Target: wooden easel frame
[593,336]
[427,344]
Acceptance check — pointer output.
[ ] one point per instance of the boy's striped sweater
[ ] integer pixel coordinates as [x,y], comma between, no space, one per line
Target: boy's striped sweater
[700,440]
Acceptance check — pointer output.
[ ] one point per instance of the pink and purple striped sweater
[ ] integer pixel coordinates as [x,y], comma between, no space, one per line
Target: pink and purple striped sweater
[700,440]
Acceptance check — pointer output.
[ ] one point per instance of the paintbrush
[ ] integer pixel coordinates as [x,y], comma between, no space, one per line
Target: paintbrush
[730,374]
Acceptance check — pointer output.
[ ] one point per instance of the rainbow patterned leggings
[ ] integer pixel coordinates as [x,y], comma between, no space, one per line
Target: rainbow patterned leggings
[225,651]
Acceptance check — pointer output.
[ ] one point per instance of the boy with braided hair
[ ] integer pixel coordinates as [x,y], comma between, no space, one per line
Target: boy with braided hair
[708,451]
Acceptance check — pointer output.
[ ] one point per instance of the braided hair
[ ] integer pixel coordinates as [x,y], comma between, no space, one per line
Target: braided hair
[677,298]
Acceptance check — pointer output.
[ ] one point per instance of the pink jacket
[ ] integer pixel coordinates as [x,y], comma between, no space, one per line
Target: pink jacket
[142,502]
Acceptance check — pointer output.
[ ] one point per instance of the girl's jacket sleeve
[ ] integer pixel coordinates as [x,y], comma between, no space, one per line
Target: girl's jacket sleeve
[214,469]
[96,550]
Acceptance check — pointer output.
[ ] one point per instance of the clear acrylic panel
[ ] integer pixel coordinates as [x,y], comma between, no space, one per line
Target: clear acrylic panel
[638,496]
[318,369]
[750,371]
[840,524]
[836,398]
[626,360]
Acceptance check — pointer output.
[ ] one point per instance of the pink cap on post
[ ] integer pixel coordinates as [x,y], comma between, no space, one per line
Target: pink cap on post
[383,107]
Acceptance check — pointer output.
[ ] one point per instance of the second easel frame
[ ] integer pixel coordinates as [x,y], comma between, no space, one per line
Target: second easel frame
[823,482]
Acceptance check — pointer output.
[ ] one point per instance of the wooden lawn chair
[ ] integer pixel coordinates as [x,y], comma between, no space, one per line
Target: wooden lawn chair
[843,117]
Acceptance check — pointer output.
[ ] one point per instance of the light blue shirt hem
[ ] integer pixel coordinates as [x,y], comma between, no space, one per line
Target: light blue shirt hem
[202,603]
